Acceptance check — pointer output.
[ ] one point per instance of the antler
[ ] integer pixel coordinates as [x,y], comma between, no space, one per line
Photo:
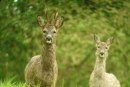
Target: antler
[55,14]
[46,14]
[53,21]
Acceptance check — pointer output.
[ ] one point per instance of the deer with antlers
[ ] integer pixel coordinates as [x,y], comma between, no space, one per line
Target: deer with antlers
[42,69]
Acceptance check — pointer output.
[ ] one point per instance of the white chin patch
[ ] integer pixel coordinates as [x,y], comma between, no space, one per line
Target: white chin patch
[48,41]
[102,56]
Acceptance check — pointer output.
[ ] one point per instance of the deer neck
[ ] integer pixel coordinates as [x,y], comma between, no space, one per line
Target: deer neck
[100,67]
[48,57]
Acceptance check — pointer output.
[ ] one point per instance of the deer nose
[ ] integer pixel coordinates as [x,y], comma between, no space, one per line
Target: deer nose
[48,37]
[102,53]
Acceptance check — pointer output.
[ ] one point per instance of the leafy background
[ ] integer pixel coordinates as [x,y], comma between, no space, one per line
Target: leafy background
[20,38]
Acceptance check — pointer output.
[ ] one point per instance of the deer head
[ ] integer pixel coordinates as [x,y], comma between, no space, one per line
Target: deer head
[102,47]
[50,28]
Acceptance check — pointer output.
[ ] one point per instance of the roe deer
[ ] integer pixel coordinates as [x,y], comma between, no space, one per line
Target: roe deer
[42,69]
[99,76]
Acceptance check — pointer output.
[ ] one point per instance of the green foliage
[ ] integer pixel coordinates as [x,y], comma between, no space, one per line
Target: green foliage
[20,38]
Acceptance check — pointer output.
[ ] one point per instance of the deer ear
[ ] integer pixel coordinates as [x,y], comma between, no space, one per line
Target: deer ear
[59,22]
[109,41]
[96,38]
[40,21]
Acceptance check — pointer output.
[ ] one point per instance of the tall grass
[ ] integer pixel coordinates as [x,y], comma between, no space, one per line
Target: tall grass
[9,83]
[12,83]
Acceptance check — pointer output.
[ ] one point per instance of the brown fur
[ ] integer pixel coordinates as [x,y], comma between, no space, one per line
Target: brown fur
[42,69]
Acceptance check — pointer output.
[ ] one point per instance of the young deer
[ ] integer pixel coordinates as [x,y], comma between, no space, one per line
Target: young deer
[99,76]
[42,69]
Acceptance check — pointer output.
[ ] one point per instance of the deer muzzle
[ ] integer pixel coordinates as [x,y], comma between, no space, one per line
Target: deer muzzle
[49,39]
[102,54]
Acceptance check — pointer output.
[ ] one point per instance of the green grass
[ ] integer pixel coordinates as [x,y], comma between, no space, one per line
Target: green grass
[9,83]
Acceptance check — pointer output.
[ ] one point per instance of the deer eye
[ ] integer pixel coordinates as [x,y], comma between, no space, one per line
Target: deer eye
[106,47]
[44,31]
[98,46]
[54,32]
